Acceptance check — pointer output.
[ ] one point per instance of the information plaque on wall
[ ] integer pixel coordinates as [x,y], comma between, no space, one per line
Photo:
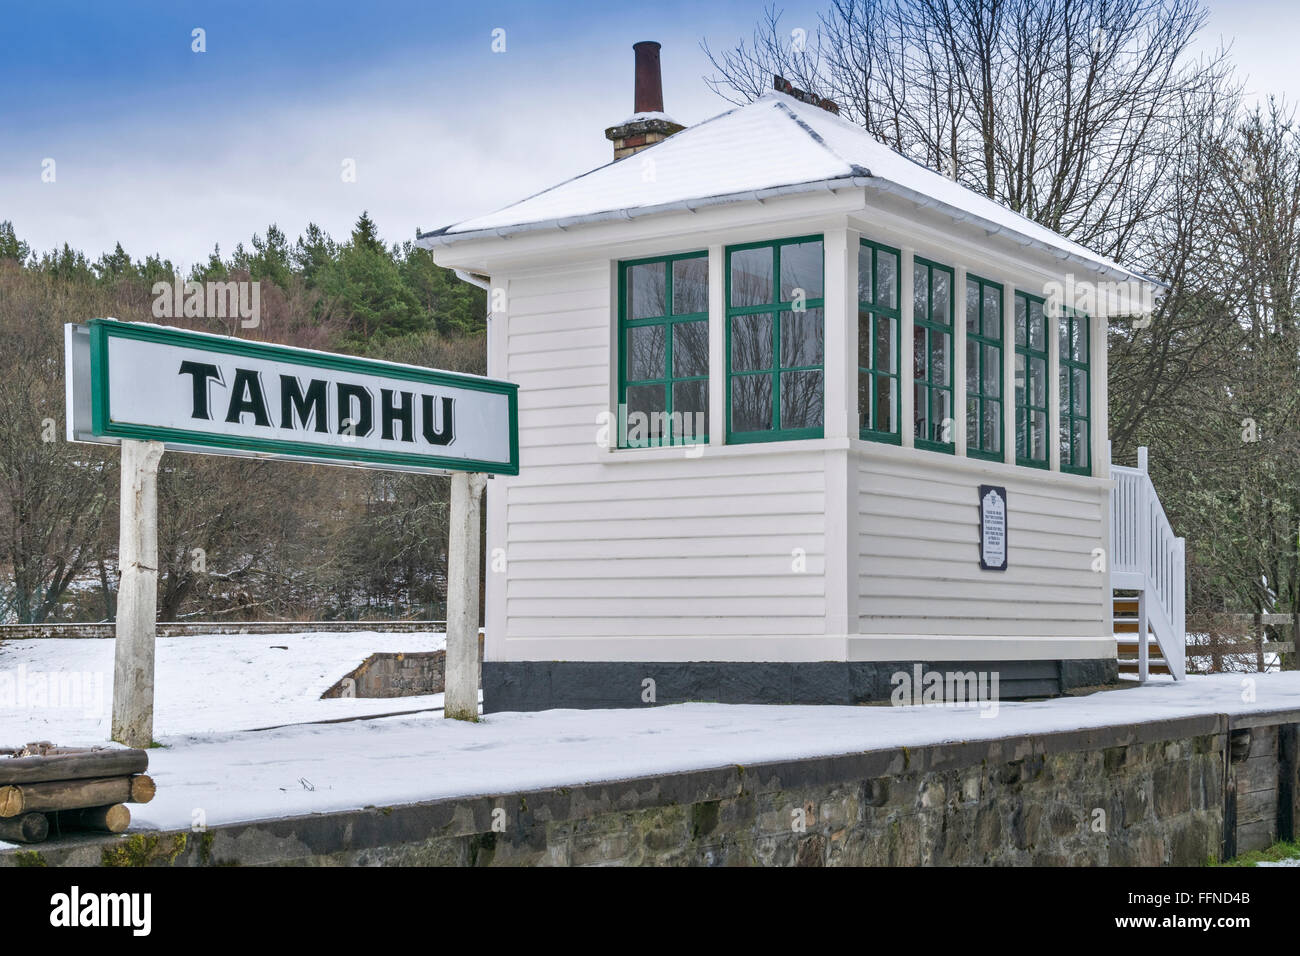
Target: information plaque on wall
[993,528]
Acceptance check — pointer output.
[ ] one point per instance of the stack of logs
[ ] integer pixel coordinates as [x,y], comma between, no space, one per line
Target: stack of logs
[44,788]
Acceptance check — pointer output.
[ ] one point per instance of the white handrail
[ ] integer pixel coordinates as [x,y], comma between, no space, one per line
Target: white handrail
[1147,556]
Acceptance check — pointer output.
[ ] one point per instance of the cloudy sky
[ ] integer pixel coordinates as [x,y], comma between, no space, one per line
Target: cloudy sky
[168,150]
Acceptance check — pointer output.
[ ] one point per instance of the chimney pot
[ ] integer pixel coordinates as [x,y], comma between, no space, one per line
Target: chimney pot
[649,95]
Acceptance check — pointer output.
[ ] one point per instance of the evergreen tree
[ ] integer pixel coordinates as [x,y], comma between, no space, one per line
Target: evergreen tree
[115,265]
[66,264]
[270,260]
[365,235]
[313,252]
[10,245]
[214,270]
[366,285]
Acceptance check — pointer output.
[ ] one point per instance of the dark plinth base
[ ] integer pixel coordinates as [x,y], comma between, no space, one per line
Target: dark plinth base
[543,685]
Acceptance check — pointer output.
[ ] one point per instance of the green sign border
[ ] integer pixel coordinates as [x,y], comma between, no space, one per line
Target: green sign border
[101,330]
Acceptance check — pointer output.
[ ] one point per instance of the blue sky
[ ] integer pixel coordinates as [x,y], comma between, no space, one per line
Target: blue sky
[169,150]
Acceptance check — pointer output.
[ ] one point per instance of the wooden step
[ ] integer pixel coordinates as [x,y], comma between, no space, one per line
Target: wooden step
[1131,654]
[1153,667]
[1127,607]
[1126,625]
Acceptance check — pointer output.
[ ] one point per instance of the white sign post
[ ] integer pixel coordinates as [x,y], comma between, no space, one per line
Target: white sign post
[151,388]
[137,594]
[460,700]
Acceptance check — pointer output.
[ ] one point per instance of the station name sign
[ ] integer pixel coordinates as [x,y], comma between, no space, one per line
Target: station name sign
[219,395]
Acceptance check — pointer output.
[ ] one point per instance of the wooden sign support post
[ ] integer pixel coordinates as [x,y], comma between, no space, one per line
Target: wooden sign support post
[137,594]
[462,672]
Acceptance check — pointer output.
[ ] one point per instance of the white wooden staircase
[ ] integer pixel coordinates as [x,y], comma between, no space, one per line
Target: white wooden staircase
[1147,578]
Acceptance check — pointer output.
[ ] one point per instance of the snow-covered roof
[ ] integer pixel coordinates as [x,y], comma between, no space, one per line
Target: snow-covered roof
[772,146]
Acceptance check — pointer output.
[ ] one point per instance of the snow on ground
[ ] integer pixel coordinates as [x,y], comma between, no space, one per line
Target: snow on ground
[238,775]
[202,683]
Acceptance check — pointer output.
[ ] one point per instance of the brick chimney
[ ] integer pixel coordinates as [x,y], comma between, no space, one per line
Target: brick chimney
[648,124]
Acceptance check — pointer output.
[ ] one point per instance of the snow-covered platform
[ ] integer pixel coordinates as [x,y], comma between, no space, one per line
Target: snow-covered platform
[240,776]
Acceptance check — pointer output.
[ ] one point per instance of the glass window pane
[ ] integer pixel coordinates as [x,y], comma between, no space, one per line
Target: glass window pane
[972,306]
[801,399]
[941,414]
[919,353]
[920,412]
[690,348]
[1064,378]
[802,335]
[1022,445]
[1080,391]
[887,279]
[886,349]
[690,411]
[801,269]
[972,366]
[1079,339]
[991,439]
[751,342]
[1022,327]
[865,381]
[992,371]
[647,406]
[691,285]
[1080,432]
[645,353]
[920,291]
[992,312]
[973,423]
[941,311]
[646,290]
[751,276]
[865,274]
[1037,327]
[1038,435]
[864,340]
[886,404]
[940,372]
[1038,383]
[751,403]
[1020,380]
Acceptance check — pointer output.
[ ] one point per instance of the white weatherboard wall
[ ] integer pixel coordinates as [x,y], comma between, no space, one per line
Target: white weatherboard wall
[918,539]
[644,554]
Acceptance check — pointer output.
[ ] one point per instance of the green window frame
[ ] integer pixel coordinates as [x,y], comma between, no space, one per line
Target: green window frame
[932,356]
[984,379]
[1031,381]
[880,353]
[773,365]
[663,347]
[1075,395]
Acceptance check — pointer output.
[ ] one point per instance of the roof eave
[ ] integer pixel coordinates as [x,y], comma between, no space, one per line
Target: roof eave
[859,179]
[442,237]
[993,228]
